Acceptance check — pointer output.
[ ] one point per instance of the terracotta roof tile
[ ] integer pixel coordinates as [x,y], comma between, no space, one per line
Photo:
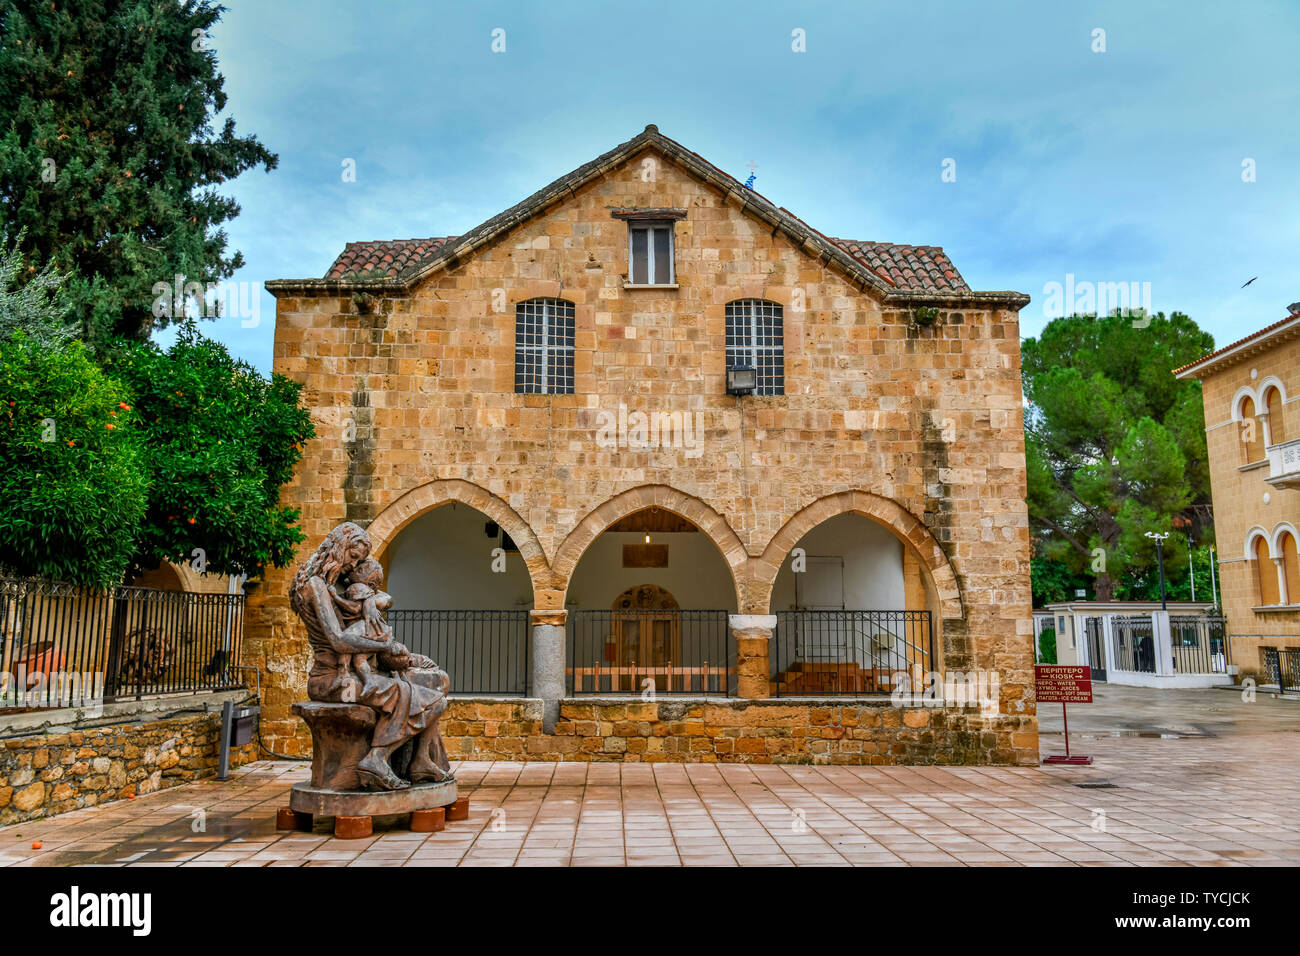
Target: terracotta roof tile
[388,257]
[1205,362]
[907,267]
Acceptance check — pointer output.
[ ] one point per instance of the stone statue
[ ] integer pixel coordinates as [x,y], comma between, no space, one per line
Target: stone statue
[338,595]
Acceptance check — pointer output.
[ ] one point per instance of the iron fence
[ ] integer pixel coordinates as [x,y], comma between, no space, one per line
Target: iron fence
[483,652]
[637,650]
[1199,644]
[818,653]
[1281,667]
[1133,643]
[122,643]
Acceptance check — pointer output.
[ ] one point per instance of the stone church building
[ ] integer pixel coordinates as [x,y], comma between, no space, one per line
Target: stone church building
[658,471]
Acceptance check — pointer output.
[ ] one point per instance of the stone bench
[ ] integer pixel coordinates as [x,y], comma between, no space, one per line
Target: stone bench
[340,737]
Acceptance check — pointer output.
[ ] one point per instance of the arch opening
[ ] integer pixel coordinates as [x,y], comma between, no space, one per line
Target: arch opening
[855,606]
[649,599]
[1266,577]
[1273,406]
[1251,433]
[1290,576]
[461,595]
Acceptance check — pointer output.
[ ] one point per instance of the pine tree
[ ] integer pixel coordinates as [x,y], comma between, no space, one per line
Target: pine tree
[1114,447]
[109,161]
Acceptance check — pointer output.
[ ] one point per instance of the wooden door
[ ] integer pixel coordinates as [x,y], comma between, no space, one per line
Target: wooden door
[647,633]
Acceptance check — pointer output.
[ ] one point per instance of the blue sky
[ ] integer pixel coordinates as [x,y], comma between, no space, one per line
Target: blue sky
[1115,166]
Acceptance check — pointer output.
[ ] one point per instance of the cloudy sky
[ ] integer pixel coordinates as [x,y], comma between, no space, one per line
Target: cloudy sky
[1127,165]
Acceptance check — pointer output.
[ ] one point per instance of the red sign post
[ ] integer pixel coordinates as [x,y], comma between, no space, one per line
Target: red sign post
[1067,685]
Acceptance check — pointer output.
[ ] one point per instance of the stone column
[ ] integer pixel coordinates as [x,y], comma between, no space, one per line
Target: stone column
[548,662]
[753,634]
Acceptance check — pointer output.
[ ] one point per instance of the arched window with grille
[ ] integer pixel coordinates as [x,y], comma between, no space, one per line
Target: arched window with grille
[756,338]
[544,347]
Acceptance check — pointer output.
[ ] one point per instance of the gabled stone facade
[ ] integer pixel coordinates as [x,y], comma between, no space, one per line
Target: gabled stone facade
[902,403]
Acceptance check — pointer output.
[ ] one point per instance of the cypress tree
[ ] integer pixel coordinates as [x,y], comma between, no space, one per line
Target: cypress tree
[109,160]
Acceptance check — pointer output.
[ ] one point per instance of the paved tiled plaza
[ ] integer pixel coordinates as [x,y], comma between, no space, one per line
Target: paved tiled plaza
[1199,778]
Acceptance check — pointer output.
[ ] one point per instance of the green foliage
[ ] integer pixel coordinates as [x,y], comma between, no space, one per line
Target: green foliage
[37,306]
[1052,581]
[221,441]
[1115,445]
[109,161]
[1047,646]
[72,476]
[1178,577]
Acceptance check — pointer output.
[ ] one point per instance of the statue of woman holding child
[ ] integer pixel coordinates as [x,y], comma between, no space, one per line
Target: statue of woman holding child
[338,594]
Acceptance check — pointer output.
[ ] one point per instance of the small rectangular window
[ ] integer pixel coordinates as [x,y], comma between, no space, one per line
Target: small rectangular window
[650,253]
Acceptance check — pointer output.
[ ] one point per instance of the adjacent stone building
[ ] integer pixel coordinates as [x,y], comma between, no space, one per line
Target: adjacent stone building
[1250,389]
[689,440]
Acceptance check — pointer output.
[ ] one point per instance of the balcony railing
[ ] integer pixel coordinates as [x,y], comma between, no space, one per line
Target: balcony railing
[1284,464]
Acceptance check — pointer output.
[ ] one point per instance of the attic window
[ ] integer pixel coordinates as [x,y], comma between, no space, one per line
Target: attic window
[650,252]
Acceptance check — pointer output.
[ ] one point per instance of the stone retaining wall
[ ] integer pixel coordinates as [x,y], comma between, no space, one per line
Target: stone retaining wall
[737,731]
[45,774]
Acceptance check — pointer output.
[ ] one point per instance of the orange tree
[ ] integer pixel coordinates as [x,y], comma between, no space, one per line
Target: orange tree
[221,439]
[73,483]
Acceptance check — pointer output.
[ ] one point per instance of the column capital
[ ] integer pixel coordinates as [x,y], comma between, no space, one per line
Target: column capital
[551,616]
[752,622]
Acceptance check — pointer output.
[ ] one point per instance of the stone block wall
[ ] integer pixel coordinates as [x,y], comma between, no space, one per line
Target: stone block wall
[46,774]
[737,731]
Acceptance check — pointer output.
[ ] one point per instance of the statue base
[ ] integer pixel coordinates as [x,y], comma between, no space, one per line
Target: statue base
[320,802]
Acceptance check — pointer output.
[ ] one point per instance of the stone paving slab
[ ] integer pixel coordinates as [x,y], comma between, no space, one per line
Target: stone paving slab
[1225,795]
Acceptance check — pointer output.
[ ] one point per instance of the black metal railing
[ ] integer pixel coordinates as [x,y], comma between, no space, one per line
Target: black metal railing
[638,651]
[818,653]
[1281,667]
[1133,647]
[483,652]
[1199,643]
[121,643]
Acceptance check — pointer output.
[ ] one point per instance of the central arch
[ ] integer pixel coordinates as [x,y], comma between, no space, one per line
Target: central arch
[710,522]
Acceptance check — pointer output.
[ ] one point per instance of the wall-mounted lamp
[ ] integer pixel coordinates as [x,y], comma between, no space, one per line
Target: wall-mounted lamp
[647,539]
[742,380]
